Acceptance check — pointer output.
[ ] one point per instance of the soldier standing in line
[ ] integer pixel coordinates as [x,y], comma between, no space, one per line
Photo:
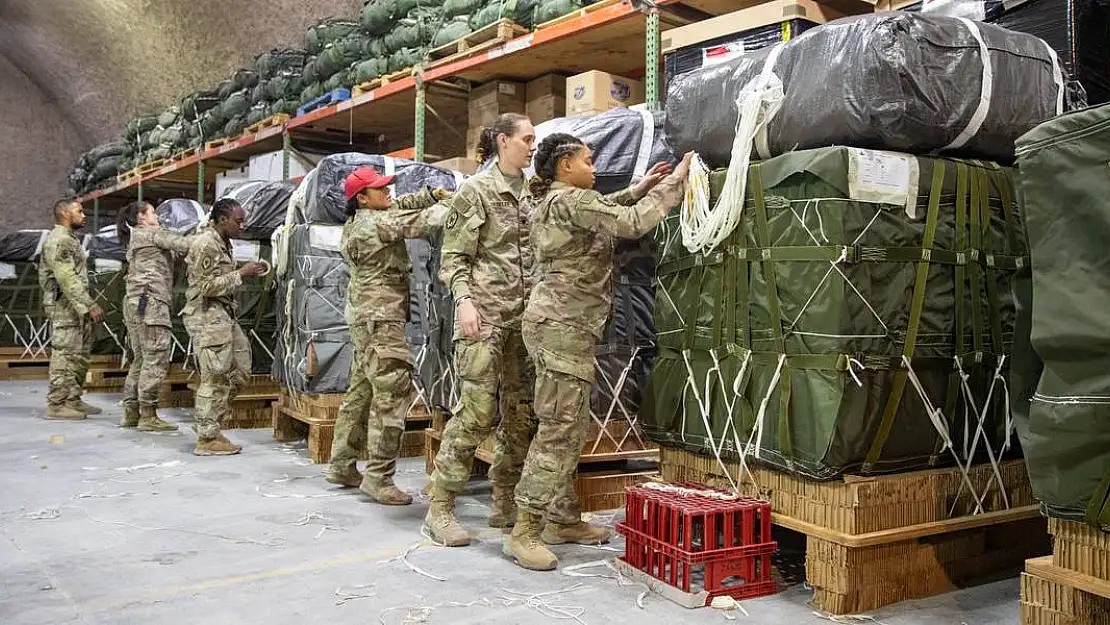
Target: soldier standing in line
[372,414]
[210,313]
[146,311]
[64,279]
[487,265]
[573,228]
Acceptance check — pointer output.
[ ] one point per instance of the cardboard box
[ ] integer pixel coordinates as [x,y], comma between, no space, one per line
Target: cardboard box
[545,86]
[467,166]
[747,19]
[491,100]
[596,91]
[546,108]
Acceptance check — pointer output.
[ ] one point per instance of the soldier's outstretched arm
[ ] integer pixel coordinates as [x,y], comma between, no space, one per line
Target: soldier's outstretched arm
[172,242]
[465,216]
[61,259]
[414,216]
[590,210]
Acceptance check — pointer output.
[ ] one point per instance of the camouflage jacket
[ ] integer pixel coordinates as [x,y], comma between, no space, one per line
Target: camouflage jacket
[486,254]
[214,281]
[64,278]
[150,271]
[373,244]
[572,236]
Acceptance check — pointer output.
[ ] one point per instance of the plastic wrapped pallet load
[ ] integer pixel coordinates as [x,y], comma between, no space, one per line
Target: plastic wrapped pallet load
[1060,388]
[871,81]
[830,331]
[265,204]
[107,287]
[23,323]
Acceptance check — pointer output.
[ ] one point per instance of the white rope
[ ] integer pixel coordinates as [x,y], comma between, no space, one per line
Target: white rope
[981,414]
[692,492]
[758,431]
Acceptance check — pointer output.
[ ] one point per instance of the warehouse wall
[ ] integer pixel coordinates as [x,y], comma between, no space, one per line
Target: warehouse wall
[37,148]
[104,61]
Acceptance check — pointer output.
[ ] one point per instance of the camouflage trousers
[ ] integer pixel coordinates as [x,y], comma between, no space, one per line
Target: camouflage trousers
[150,358]
[224,370]
[565,373]
[494,372]
[70,344]
[372,413]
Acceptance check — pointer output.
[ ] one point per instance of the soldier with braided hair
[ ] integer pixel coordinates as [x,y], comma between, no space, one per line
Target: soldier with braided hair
[573,228]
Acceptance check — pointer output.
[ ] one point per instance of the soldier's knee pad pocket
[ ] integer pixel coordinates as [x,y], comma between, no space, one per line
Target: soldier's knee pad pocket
[216,360]
[474,363]
[66,338]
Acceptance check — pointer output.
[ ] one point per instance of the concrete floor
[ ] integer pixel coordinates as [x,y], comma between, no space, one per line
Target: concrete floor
[102,525]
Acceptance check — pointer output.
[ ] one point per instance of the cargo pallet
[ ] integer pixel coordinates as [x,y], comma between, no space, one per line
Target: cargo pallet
[578,14]
[1071,586]
[144,169]
[611,462]
[480,40]
[253,407]
[329,98]
[874,541]
[380,81]
[183,154]
[273,120]
[312,418]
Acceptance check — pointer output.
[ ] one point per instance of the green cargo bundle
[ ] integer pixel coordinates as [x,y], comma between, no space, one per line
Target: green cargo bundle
[23,323]
[846,265]
[107,288]
[1060,384]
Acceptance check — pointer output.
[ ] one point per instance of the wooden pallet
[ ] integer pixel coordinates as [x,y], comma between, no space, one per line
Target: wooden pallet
[578,14]
[600,485]
[380,81]
[273,120]
[253,407]
[874,541]
[480,40]
[183,154]
[222,141]
[24,368]
[1054,595]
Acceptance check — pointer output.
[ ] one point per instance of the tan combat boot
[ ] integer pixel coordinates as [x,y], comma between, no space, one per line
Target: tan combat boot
[150,422]
[218,446]
[581,532]
[130,416]
[441,523]
[525,547]
[88,408]
[503,513]
[348,477]
[64,412]
[385,493]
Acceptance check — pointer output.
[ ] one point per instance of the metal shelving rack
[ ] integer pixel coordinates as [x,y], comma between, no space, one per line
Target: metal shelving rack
[605,37]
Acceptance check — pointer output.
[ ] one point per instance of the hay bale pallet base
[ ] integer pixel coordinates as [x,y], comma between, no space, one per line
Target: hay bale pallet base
[1053,595]
[600,485]
[480,40]
[312,418]
[875,541]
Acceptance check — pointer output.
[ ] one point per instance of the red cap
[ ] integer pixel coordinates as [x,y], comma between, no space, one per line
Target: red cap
[362,178]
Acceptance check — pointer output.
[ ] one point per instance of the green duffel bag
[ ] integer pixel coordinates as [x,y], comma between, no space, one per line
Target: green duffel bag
[405,58]
[235,105]
[270,64]
[160,152]
[283,85]
[550,9]
[172,136]
[235,126]
[322,33]
[311,92]
[453,8]
[244,79]
[337,81]
[377,16]
[225,89]
[456,28]
[339,55]
[375,47]
[1065,433]
[211,124]
[855,284]
[370,69]
[415,30]
[258,113]
[150,139]
[309,73]
[260,93]
[196,104]
[169,116]
[519,11]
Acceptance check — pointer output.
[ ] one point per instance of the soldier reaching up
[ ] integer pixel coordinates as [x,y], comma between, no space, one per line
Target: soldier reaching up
[210,317]
[372,414]
[64,279]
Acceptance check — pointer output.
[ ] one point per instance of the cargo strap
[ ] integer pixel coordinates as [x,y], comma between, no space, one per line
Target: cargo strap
[1098,510]
[917,305]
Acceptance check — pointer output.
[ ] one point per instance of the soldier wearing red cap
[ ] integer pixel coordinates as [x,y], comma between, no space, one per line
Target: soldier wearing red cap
[372,414]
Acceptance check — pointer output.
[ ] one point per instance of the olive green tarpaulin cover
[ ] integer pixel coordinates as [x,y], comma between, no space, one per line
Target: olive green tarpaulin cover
[845,261]
[23,323]
[1060,380]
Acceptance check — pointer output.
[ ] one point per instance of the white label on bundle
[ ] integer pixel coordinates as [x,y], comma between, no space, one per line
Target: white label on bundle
[325,237]
[245,251]
[883,177]
[721,53]
[7,271]
[103,265]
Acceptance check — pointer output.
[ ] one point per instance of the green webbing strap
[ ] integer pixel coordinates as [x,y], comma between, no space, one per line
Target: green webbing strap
[729,284]
[976,244]
[763,235]
[1098,513]
[917,305]
[983,189]
[1006,190]
[953,396]
[786,445]
[693,305]
[686,263]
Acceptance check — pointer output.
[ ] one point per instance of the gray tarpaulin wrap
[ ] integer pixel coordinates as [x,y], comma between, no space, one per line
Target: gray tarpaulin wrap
[899,81]
[180,215]
[265,204]
[23,245]
[23,323]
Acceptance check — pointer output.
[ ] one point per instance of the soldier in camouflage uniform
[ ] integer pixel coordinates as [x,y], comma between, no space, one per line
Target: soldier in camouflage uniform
[210,311]
[372,414]
[486,263]
[573,228]
[146,311]
[64,279]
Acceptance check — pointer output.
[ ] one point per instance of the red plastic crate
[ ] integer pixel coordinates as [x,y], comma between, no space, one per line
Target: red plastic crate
[696,542]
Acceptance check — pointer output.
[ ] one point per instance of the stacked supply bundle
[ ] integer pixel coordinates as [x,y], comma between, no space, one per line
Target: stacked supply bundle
[195,109]
[107,288]
[404,30]
[1059,383]
[1076,30]
[625,144]
[847,309]
[333,46]
[313,352]
[98,167]
[280,82]
[23,323]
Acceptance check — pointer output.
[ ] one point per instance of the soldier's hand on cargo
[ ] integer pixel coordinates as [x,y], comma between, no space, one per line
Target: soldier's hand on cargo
[441,194]
[253,269]
[683,170]
[469,319]
[96,313]
[652,178]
